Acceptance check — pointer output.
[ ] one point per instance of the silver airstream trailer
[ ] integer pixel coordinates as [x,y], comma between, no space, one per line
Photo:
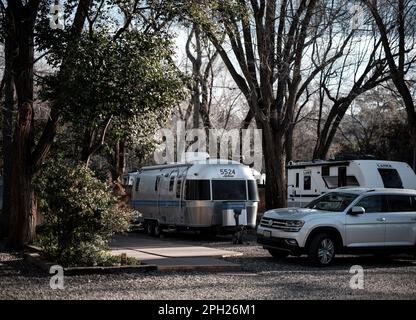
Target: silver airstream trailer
[209,194]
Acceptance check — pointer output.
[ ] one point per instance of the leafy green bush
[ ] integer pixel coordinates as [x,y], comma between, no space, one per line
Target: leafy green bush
[80,215]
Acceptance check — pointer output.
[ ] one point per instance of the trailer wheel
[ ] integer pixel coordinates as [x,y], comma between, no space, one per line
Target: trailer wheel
[150,230]
[157,230]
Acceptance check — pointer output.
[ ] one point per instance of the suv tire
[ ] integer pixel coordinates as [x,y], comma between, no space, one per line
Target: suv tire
[278,254]
[321,250]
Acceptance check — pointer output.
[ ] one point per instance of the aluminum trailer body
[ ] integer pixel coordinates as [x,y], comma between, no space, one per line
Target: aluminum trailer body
[202,194]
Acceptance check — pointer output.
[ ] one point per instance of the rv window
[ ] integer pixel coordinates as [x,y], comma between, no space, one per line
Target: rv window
[391,178]
[332,182]
[352,181]
[252,190]
[137,184]
[198,190]
[325,171]
[171,183]
[229,190]
[342,177]
[398,203]
[307,183]
[297,180]
[178,188]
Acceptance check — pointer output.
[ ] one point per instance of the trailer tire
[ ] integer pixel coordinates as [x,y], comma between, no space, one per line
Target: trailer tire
[157,229]
[149,227]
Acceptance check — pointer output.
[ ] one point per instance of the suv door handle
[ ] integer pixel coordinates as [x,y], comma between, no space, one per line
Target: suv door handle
[381,219]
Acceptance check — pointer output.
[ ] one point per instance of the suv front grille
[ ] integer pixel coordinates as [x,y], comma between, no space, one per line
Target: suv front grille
[278,224]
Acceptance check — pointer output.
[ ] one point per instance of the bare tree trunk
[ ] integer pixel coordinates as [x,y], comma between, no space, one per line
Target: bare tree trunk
[87,146]
[289,143]
[118,160]
[22,212]
[275,164]
[7,131]
[121,159]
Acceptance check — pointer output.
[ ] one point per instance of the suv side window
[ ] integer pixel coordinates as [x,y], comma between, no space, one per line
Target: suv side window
[400,203]
[372,204]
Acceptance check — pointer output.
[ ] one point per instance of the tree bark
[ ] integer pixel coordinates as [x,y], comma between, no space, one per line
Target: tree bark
[119,150]
[7,131]
[22,211]
[275,167]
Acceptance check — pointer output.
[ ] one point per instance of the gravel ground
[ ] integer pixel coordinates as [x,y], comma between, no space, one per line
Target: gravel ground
[261,278]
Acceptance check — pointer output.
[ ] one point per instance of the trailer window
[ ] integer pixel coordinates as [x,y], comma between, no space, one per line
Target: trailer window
[171,183]
[198,190]
[297,180]
[342,177]
[137,184]
[252,190]
[157,183]
[307,182]
[229,190]
[178,188]
[391,178]
[333,182]
[325,171]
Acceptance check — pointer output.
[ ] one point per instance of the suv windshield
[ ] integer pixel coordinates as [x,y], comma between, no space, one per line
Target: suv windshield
[334,201]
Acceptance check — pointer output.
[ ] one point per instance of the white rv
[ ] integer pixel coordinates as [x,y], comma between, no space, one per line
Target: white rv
[204,194]
[308,180]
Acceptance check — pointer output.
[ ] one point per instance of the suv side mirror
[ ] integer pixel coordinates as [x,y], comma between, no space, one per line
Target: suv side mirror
[357,210]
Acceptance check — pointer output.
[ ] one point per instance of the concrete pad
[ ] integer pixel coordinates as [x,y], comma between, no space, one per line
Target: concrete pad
[136,243]
[190,251]
[141,256]
[173,255]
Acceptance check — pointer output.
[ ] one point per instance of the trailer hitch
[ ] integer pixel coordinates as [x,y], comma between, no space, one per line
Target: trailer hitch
[238,236]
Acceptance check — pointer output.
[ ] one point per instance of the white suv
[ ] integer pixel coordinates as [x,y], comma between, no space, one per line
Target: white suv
[379,221]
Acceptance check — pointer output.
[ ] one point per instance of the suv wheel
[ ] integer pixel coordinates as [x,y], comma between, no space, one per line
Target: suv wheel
[322,250]
[278,254]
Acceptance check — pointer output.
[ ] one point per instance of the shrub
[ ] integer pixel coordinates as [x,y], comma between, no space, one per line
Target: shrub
[80,215]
